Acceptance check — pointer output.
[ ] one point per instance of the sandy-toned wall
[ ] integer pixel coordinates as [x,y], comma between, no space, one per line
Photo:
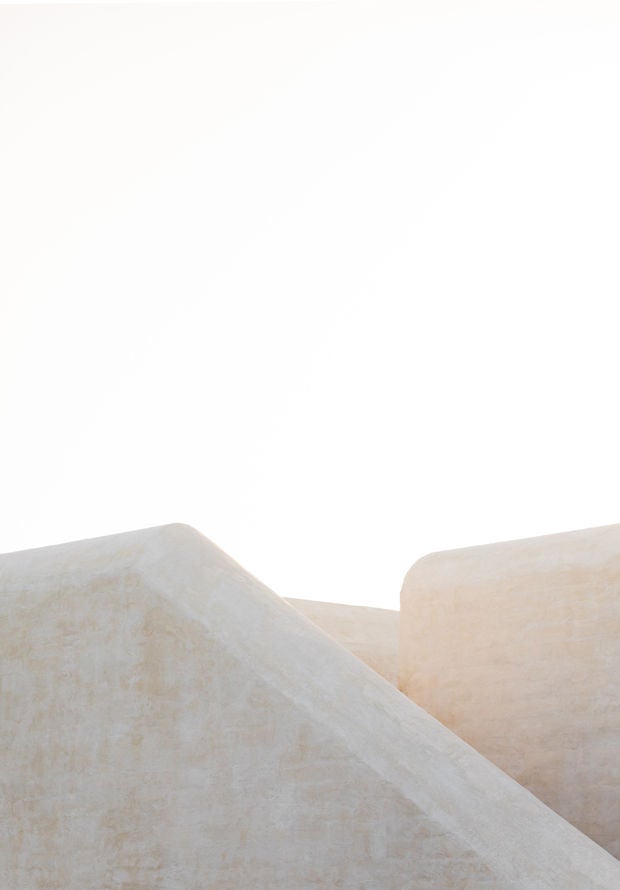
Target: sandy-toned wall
[516,647]
[167,723]
[370,634]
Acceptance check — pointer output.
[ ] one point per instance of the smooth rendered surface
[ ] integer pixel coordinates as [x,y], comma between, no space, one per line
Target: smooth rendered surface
[170,724]
[516,647]
[370,634]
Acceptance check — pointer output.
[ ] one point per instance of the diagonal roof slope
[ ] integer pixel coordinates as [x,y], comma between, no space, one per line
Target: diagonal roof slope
[168,722]
[369,633]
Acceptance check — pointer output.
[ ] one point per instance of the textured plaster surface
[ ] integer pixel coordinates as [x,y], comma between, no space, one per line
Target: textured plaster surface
[167,723]
[370,634]
[516,647]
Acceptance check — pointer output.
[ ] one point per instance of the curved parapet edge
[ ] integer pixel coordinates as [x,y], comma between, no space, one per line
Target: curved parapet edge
[514,646]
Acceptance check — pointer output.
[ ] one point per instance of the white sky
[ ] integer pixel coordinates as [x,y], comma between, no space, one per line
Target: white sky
[337,284]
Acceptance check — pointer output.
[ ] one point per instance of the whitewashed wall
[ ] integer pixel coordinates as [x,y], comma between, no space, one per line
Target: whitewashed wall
[516,647]
[170,724]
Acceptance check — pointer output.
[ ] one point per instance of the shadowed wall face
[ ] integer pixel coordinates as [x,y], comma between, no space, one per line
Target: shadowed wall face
[516,647]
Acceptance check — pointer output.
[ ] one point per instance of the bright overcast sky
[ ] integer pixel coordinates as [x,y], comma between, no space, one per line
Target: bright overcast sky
[337,284]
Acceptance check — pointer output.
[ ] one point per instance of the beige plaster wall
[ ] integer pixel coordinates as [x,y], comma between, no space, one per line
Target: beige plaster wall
[167,723]
[370,634]
[516,647]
